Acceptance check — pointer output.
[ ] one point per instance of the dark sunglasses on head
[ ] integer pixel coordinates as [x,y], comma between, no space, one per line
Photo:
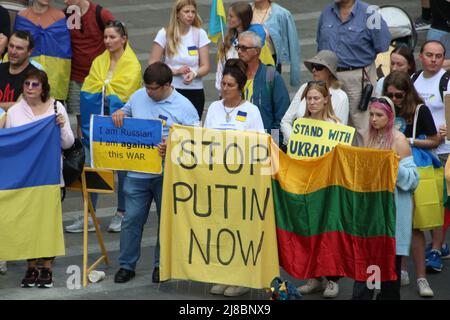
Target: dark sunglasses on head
[117,24]
[381,100]
[397,95]
[33,84]
[316,66]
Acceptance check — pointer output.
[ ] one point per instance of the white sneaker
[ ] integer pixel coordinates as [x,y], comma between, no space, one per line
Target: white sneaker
[424,288]
[404,280]
[332,290]
[312,285]
[218,289]
[235,291]
[77,225]
[116,223]
[3,267]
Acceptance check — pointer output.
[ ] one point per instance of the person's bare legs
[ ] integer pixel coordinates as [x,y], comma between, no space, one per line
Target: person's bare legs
[418,252]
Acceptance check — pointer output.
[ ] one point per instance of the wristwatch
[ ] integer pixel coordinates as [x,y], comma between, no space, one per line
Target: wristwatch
[411,141]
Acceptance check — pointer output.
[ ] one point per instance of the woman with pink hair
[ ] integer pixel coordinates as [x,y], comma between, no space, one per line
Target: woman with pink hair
[383,135]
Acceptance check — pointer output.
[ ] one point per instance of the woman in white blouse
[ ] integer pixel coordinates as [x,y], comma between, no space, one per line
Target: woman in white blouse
[323,68]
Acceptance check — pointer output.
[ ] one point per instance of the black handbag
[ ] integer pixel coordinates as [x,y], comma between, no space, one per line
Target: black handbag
[73,160]
[366,92]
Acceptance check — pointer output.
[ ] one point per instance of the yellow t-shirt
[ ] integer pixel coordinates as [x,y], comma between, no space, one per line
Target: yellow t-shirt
[248,91]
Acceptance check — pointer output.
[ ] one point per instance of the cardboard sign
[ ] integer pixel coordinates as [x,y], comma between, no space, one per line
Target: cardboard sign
[132,147]
[313,138]
[447,112]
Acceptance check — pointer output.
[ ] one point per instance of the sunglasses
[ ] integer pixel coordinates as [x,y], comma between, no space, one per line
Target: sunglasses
[397,95]
[118,24]
[32,84]
[380,100]
[317,82]
[243,48]
[318,67]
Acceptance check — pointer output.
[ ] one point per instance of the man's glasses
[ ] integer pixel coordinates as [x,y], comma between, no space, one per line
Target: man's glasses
[243,48]
[154,88]
[397,95]
[316,66]
[32,84]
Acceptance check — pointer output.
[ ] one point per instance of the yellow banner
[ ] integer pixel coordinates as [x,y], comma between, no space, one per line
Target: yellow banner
[313,138]
[217,220]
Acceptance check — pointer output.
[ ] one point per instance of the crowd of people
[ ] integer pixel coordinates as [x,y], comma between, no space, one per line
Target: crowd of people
[91,68]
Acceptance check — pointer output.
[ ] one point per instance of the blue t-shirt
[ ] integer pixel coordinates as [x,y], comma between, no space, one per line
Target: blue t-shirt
[175,109]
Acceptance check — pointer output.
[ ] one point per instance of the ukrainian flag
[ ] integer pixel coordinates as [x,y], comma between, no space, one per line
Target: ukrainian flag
[30,197]
[2,113]
[217,21]
[126,79]
[53,51]
[241,116]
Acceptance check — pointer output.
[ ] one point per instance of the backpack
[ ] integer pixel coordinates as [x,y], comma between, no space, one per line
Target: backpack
[98,17]
[270,75]
[443,83]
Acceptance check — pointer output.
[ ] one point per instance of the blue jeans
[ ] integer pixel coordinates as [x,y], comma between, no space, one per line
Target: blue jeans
[139,196]
[120,193]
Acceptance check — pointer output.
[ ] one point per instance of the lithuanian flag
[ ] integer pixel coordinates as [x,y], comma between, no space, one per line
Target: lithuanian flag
[30,197]
[335,214]
[53,51]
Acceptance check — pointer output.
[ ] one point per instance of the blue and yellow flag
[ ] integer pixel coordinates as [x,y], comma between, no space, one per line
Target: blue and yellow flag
[2,113]
[132,147]
[241,116]
[30,197]
[217,21]
[53,51]
[126,79]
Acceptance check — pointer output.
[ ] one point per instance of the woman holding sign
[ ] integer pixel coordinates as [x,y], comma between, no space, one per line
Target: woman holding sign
[233,112]
[323,68]
[318,107]
[184,47]
[383,135]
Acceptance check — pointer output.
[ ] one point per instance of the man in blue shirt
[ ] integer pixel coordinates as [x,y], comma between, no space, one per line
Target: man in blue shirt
[356,32]
[157,100]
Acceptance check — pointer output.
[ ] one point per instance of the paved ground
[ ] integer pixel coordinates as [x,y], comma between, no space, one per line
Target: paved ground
[144,18]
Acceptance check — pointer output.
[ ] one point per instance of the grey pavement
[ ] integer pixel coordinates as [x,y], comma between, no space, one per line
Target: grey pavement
[144,18]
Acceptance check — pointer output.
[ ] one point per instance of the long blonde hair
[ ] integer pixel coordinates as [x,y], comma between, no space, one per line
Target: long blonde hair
[173,30]
[328,112]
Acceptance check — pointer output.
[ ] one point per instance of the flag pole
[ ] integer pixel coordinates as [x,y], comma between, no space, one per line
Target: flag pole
[221,29]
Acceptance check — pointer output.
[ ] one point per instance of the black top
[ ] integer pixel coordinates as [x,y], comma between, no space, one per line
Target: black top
[5,26]
[11,85]
[440,15]
[5,22]
[425,123]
